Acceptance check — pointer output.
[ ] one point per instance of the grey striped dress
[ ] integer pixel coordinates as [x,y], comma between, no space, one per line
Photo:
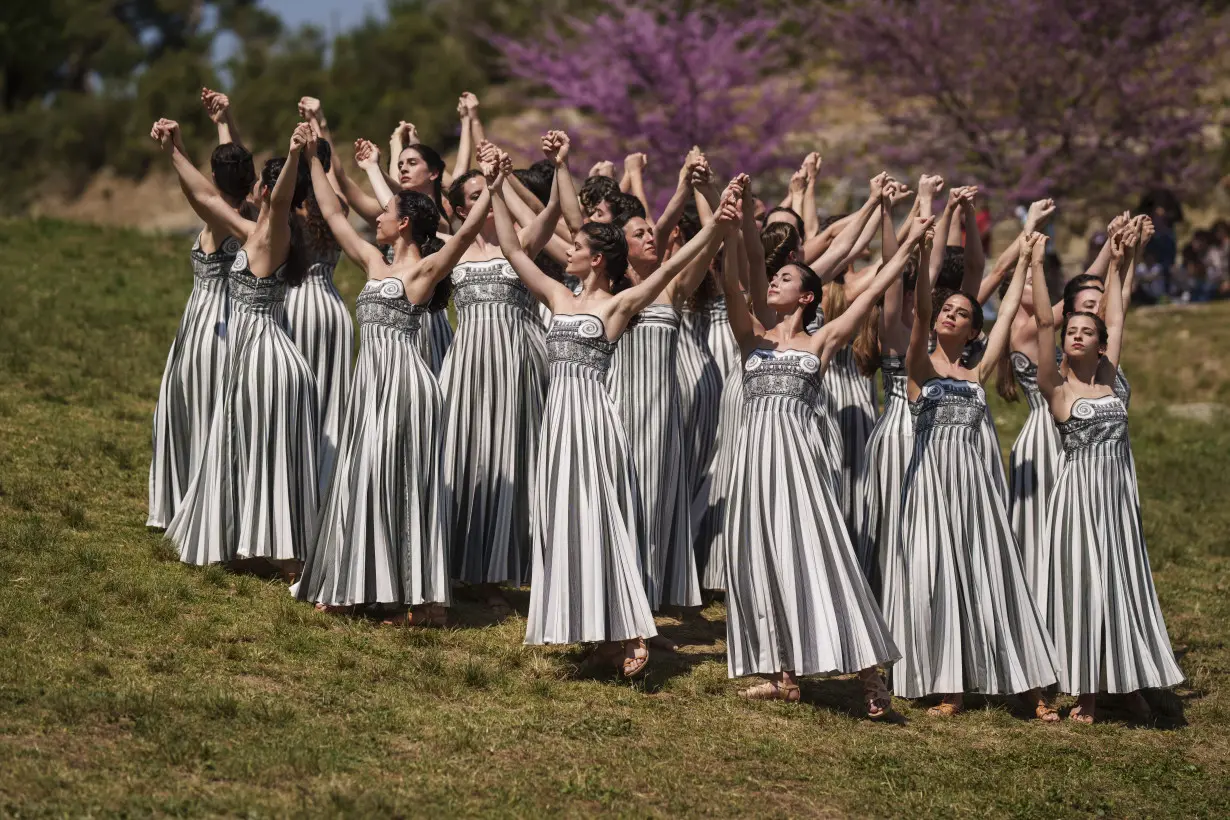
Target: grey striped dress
[889,449]
[437,339]
[700,394]
[970,623]
[1101,606]
[383,531]
[854,399]
[255,492]
[722,343]
[494,382]
[586,582]
[190,382]
[992,456]
[797,600]
[319,323]
[645,388]
[711,538]
[1032,466]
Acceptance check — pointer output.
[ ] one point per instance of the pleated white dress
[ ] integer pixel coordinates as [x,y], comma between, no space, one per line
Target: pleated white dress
[797,599]
[970,621]
[854,399]
[1101,606]
[711,539]
[494,381]
[255,493]
[700,394]
[384,531]
[644,386]
[438,339]
[319,323]
[889,449]
[586,582]
[190,382]
[1032,467]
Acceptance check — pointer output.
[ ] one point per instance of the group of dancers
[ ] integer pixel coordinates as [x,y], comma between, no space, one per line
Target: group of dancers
[634,412]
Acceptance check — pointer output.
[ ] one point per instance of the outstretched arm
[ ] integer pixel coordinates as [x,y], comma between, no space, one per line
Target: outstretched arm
[465,145]
[1036,218]
[541,231]
[941,231]
[975,257]
[997,340]
[1049,377]
[836,334]
[556,143]
[366,205]
[204,198]
[639,296]
[354,246]
[811,221]
[918,364]
[218,105]
[674,209]
[829,265]
[634,173]
[1120,256]
[548,291]
[441,263]
[751,251]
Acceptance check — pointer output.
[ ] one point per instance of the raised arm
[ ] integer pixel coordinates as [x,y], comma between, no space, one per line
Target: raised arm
[547,290]
[742,324]
[403,135]
[218,105]
[541,231]
[476,122]
[1120,255]
[441,263]
[918,366]
[1129,277]
[975,257]
[798,183]
[283,194]
[1036,217]
[569,204]
[465,145]
[1049,377]
[941,231]
[634,172]
[753,254]
[636,298]
[362,253]
[831,262]
[837,333]
[815,247]
[204,198]
[997,340]
[811,221]
[368,159]
[674,208]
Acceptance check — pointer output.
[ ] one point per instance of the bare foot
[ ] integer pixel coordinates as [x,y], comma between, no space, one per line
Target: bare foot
[635,659]
[1042,711]
[660,641]
[1082,712]
[330,609]
[950,706]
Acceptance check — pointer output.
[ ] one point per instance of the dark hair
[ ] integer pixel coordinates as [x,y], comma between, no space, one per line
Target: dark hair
[810,282]
[434,163]
[610,242]
[324,153]
[424,219]
[596,189]
[830,219]
[952,268]
[233,169]
[538,178]
[778,240]
[1103,336]
[296,265]
[780,209]
[942,295]
[456,191]
[689,221]
[625,207]
[1085,281]
[909,273]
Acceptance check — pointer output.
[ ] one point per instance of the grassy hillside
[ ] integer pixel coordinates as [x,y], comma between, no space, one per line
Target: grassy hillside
[132,684]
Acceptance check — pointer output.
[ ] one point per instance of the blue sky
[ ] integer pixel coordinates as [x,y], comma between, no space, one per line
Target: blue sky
[330,15]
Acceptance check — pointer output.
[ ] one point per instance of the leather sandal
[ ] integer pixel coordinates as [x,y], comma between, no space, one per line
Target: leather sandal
[773,690]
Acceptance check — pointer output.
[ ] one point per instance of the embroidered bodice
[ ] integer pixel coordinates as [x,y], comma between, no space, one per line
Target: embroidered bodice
[892,370]
[1094,426]
[776,374]
[212,267]
[577,344]
[383,302]
[256,294]
[949,403]
[323,264]
[490,282]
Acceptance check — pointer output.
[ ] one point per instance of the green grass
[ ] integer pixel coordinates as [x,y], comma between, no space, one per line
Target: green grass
[130,684]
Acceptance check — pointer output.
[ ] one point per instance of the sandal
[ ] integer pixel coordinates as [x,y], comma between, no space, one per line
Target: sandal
[330,609]
[875,693]
[1045,713]
[1079,715]
[664,643]
[773,690]
[945,709]
[635,659]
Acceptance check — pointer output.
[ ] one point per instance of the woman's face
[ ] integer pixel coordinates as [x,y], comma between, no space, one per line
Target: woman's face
[1080,339]
[780,216]
[642,248]
[387,224]
[413,173]
[473,189]
[580,262]
[786,291]
[601,212]
[955,319]
[1087,300]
